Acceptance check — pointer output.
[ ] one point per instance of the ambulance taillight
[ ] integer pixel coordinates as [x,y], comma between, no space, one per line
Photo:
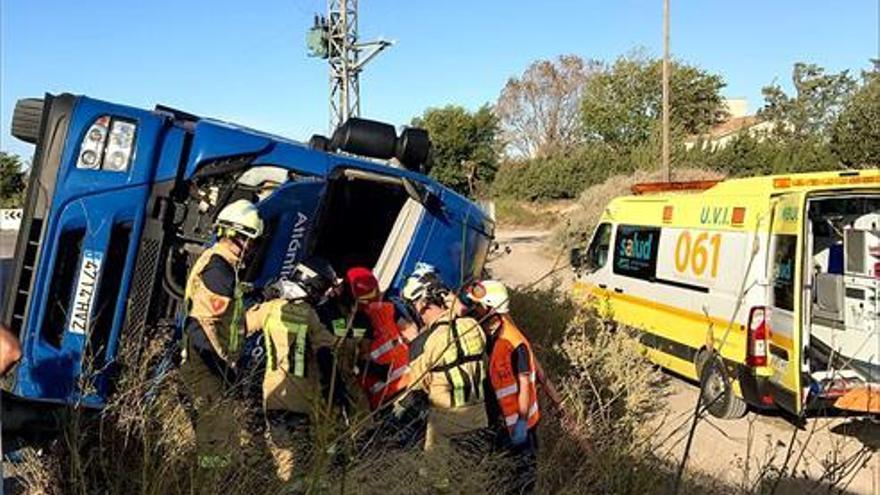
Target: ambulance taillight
[759,334]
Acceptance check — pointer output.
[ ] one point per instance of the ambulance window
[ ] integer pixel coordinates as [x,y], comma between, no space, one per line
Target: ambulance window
[597,255]
[782,274]
[635,251]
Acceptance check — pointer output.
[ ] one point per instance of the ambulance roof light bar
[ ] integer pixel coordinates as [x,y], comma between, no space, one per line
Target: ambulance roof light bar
[657,187]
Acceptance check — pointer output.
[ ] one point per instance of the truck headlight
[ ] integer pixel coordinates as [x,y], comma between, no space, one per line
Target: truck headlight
[119,149]
[108,145]
[92,148]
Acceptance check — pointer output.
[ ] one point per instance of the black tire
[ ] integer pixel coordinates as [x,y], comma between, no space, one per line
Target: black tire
[365,138]
[26,119]
[319,142]
[700,361]
[716,391]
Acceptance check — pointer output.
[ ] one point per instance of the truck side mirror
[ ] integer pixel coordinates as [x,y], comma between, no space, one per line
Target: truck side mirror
[576,258]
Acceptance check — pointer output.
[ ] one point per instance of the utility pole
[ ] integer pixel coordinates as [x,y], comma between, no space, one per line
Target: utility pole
[666,164]
[335,39]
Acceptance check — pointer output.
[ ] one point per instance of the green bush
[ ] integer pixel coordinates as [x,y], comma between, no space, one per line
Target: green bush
[855,136]
[748,156]
[12,180]
[555,177]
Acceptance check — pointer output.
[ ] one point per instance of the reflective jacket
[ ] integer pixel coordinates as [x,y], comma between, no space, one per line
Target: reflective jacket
[217,316]
[503,376]
[449,363]
[293,333]
[386,372]
[215,319]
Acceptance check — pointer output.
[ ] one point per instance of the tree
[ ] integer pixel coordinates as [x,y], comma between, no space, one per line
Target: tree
[465,150]
[12,180]
[538,111]
[818,99]
[622,104]
[855,136]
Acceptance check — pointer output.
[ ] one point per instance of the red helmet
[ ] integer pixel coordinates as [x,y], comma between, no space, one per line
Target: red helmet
[362,283]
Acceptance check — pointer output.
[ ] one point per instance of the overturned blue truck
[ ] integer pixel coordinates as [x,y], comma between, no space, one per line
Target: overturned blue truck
[121,200]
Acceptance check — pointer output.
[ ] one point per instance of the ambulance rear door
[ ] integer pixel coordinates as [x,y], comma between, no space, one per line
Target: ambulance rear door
[784,296]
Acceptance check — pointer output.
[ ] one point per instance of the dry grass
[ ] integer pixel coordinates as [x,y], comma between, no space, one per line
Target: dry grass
[579,223]
[601,440]
[513,214]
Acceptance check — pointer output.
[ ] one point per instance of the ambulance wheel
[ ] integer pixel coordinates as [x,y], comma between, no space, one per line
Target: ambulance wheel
[716,391]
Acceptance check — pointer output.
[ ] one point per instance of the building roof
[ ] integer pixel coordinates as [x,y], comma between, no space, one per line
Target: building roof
[730,126]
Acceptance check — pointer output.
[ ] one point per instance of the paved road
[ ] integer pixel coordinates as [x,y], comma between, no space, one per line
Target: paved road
[720,446]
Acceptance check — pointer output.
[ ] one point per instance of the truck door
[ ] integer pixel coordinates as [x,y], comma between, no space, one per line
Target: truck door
[785,283]
[451,234]
[289,214]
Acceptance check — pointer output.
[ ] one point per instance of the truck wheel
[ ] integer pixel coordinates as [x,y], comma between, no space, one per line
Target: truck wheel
[716,393]
[26,119]
[700,361]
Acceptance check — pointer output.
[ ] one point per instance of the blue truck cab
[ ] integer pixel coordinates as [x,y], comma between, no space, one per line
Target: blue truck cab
[121,201]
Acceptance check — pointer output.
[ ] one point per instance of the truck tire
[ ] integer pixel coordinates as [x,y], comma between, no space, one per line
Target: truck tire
[26,119]
[716,392]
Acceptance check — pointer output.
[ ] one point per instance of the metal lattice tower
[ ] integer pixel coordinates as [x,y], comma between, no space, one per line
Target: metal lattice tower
[335,38]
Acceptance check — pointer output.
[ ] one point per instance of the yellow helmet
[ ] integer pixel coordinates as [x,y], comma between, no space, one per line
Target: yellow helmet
[492,294]
[240,217]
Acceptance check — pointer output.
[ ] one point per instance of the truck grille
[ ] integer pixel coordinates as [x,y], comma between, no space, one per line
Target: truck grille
[22,290]
[142,283]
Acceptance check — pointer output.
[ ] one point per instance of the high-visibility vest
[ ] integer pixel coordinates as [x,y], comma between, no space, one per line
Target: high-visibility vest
[291,377]
[225,331]
[285,334]
[462,365]
[345,325]
[387,351]
[504,378]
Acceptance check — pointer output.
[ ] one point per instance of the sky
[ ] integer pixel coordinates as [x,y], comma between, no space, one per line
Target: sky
[246,62]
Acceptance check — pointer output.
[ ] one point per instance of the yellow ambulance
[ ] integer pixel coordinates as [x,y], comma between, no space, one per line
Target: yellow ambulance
[779,275]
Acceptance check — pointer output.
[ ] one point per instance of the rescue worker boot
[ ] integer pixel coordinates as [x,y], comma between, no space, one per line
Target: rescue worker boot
[289,442]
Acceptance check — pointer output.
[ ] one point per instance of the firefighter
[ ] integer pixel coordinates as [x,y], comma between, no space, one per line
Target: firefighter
[351,330]
[299,363]
[448,364]
[215,326]
[384,373]
[513,371]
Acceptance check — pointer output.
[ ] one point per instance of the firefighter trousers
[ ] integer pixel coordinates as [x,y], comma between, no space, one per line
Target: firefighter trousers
[289,441]
[217,431]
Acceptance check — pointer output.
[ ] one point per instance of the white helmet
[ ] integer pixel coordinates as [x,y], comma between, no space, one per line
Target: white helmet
[424,282]
[414,289]
[240,217]
[491,294]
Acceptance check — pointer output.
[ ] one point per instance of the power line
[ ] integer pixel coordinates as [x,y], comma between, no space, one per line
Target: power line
[335,39]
